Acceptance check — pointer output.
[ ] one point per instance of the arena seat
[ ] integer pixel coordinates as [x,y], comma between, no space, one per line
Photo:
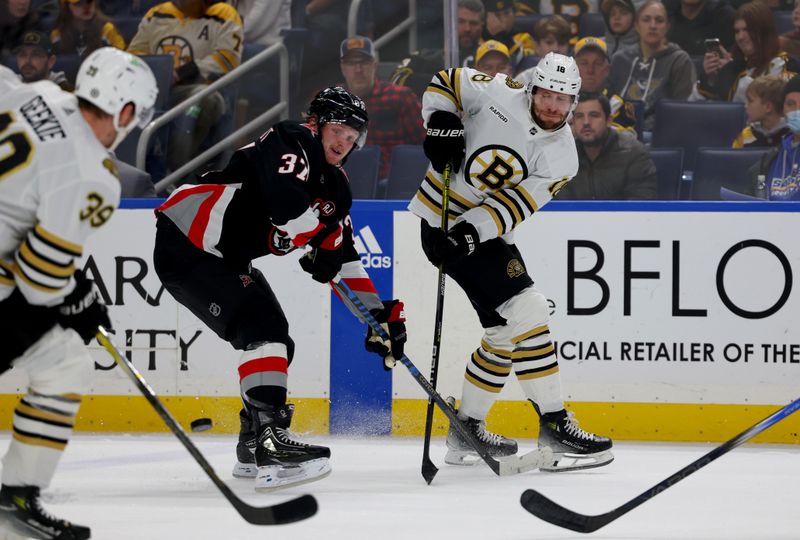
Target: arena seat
[406,171]
[591,24]
[362,170]
[723,167]
[669,167]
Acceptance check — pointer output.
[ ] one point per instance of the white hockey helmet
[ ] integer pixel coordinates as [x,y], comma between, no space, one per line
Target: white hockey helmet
[557,73]
[109,79]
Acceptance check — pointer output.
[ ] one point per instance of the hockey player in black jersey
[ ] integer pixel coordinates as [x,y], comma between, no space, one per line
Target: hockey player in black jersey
[284,191]
[512,153]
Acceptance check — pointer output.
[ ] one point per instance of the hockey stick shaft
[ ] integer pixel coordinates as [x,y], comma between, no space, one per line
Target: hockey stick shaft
[288,512]
[530,461]
[544,508]
[429,470]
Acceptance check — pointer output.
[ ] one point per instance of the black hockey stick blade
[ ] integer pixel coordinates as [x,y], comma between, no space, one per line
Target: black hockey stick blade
[429,470]
[552,512]
[290,511]
[510,465]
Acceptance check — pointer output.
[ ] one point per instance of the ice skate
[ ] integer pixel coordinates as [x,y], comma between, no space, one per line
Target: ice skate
[21,513]
[461,452]
[281,459]
[245,466]
[573,448]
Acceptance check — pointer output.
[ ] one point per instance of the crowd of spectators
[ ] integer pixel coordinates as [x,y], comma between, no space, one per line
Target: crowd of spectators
[651,50]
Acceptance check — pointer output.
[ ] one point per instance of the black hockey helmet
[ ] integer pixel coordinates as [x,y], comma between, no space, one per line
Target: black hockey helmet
[336,105]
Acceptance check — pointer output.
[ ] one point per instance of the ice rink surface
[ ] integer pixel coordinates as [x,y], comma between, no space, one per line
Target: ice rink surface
[148,487]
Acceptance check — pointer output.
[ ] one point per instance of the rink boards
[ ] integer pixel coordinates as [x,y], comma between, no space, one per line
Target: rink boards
[673,321]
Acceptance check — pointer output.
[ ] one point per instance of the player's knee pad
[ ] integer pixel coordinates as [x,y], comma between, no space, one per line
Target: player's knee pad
[256,324]
[58,364]
[524,311]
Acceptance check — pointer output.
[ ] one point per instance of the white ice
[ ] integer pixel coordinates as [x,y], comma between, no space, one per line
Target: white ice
[148,487]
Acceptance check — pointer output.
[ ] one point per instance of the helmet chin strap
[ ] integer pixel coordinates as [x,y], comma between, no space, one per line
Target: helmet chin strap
[122,131]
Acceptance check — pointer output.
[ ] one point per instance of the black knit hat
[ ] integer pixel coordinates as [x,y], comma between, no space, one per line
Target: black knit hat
[792,86]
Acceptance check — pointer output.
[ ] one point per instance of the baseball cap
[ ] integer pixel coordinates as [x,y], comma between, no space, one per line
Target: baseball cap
[497,5]
[357,44]
[491,45]
[606,5]
[590,42]
[34,38]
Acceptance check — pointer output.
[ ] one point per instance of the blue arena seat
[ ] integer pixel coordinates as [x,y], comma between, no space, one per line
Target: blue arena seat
[406,171]
[68,63]
[161,65]
[669,167]
[127,26]
[527,62]
[591,24]
[362,170]
[783,21]
[723,167]
[690,125]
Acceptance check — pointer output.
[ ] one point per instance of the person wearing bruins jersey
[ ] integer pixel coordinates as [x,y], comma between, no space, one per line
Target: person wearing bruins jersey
[58,185]
[517,152]
[205,39]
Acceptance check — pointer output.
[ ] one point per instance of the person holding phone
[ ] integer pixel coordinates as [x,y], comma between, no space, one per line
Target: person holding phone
[727,74]
[693,22]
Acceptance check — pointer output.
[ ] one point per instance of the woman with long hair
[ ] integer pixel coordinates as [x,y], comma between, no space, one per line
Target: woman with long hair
[654,68]
[756,51]
[82,27]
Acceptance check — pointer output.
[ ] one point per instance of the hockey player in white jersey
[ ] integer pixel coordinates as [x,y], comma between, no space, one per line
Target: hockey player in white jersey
[517,152]
[58,184]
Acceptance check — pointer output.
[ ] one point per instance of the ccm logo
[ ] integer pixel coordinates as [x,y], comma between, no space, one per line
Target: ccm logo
[434,132]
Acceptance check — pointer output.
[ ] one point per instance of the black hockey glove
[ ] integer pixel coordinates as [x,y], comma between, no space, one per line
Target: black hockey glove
[444,141]
[279,242]
[322,264]
[82,310]
[460,241]
[392,318]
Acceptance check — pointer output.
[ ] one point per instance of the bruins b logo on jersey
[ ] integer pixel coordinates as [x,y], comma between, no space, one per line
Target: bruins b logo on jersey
[514,84]
[495,166]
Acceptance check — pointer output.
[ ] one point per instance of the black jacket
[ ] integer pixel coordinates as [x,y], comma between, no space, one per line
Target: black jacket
[714,21]
[622,171]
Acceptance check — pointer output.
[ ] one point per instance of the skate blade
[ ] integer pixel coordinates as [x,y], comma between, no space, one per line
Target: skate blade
[566,461]
[245,470]
[276,477]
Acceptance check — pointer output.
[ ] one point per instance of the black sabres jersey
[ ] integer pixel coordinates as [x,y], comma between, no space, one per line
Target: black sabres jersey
[278,191]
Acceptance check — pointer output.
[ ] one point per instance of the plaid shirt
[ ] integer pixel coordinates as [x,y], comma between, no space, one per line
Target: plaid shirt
[395,117]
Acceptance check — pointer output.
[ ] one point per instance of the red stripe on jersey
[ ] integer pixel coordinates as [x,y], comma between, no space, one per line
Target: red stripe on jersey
[200,222]
[182,194]
[261,365]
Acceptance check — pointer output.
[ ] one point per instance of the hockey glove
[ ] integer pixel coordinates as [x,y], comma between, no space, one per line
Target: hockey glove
[279,242]
[392,318]
[322,264]
[460,241]
[82,310]
[444,141]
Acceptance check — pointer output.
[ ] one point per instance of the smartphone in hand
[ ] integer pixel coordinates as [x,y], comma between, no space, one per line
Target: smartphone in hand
[713,46]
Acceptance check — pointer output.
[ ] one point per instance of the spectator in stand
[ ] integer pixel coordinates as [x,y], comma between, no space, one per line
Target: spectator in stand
[395,113]
[655,69]
[620,30]
[82,28]
[205,40]
[500,27]
[691,22]
[16,17]
[264,19]
[611,166]
[726,75]
[781,166]
[35,60]
[591,56]
[552,35]
[417,70]
[790,41]
[493,58]
[764,106]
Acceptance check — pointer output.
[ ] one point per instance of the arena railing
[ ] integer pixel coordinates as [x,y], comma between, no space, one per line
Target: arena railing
[279,110]
[409,24]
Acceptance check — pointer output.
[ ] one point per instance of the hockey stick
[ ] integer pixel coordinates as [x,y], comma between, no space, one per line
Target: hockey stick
[510,465]
[543,508]
[429,470]
[287,512]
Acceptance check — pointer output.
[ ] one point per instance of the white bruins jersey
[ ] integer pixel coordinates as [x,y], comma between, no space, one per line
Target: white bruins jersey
[512,166]
[57,185]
